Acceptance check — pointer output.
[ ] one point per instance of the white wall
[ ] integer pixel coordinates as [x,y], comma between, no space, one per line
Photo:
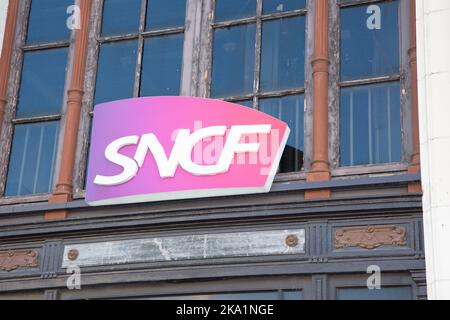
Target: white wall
[3,9]
[433,49]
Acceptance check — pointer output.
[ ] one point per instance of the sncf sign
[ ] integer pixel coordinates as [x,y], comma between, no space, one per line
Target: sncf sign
[166,148]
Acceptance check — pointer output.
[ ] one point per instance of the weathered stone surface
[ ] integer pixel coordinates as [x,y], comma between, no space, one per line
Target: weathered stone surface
[188,247]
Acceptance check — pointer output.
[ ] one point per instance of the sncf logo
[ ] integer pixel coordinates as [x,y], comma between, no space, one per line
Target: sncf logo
[181,153]
[165,148]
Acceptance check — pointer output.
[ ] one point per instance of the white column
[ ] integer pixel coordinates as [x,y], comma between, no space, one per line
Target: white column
[3,9]
[433,53]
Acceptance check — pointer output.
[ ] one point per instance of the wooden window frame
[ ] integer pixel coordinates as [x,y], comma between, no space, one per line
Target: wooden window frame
[336,84]
[10,121]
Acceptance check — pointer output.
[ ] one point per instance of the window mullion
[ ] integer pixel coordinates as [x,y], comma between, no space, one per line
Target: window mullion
[137,80]
[256,84]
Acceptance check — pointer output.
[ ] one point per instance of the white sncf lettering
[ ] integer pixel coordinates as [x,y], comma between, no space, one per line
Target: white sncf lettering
[181,152]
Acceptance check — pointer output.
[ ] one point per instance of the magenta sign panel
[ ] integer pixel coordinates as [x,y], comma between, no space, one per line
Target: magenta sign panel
[167,148]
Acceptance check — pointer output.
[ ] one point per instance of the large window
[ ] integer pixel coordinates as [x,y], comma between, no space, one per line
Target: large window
[370,82]
[40,99]
[257,53]
[258,60]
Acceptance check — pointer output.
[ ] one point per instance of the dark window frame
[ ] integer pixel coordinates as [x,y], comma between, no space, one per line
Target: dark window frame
[10,120]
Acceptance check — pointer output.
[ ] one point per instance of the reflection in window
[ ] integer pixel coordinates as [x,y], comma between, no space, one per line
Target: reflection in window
[116,70]
[160,59]
[120,17]
[232,9]
[161,65]
[47,21]
[32,159]
[162,14]
[42,83]
[273,6]
[233,61]
[40,100]
[365,52]
[385,293]
[283,54]
[290,110]
[370,120]
[280,49]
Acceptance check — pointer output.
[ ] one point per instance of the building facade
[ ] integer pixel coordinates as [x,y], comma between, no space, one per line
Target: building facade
[345,209]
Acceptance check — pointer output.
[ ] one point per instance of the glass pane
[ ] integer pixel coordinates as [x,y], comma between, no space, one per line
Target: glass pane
[368,52]
[116,70]
[161,66]
[42,83]
[121,17]
[48,21]
[283,54]
[233,61]
[32,159]
[290,110]
[234,9]
[246,103]
[246,296]
[393,293]
[272,6]
[163,14]
[370,124]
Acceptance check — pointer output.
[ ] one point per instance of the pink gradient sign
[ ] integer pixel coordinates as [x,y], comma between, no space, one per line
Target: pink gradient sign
[167,148]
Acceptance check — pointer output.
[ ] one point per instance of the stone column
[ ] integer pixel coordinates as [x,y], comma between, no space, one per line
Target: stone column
[433,64]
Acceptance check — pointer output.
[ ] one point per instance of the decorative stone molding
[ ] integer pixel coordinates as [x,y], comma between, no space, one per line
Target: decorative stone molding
[14,259]
[370,237]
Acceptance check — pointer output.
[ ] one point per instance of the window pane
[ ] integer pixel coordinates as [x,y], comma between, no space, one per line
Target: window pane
[272,6]
[234,9]
[369,53]
[163,14]
[42,83]
[48,21]
[161,66]
[233,61]
[246,103]
[32,159]
[283,54]
[393,293]
[121,17]
[370,124]
[290,110]
[116,70]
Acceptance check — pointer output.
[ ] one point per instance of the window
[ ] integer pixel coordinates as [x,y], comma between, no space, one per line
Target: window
[39,100]
[140,52]
[370,83]
[258,60]
[386,293]
[141,49]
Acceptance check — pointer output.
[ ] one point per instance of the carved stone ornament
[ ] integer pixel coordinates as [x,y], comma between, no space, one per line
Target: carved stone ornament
[370,237]
[11,260]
